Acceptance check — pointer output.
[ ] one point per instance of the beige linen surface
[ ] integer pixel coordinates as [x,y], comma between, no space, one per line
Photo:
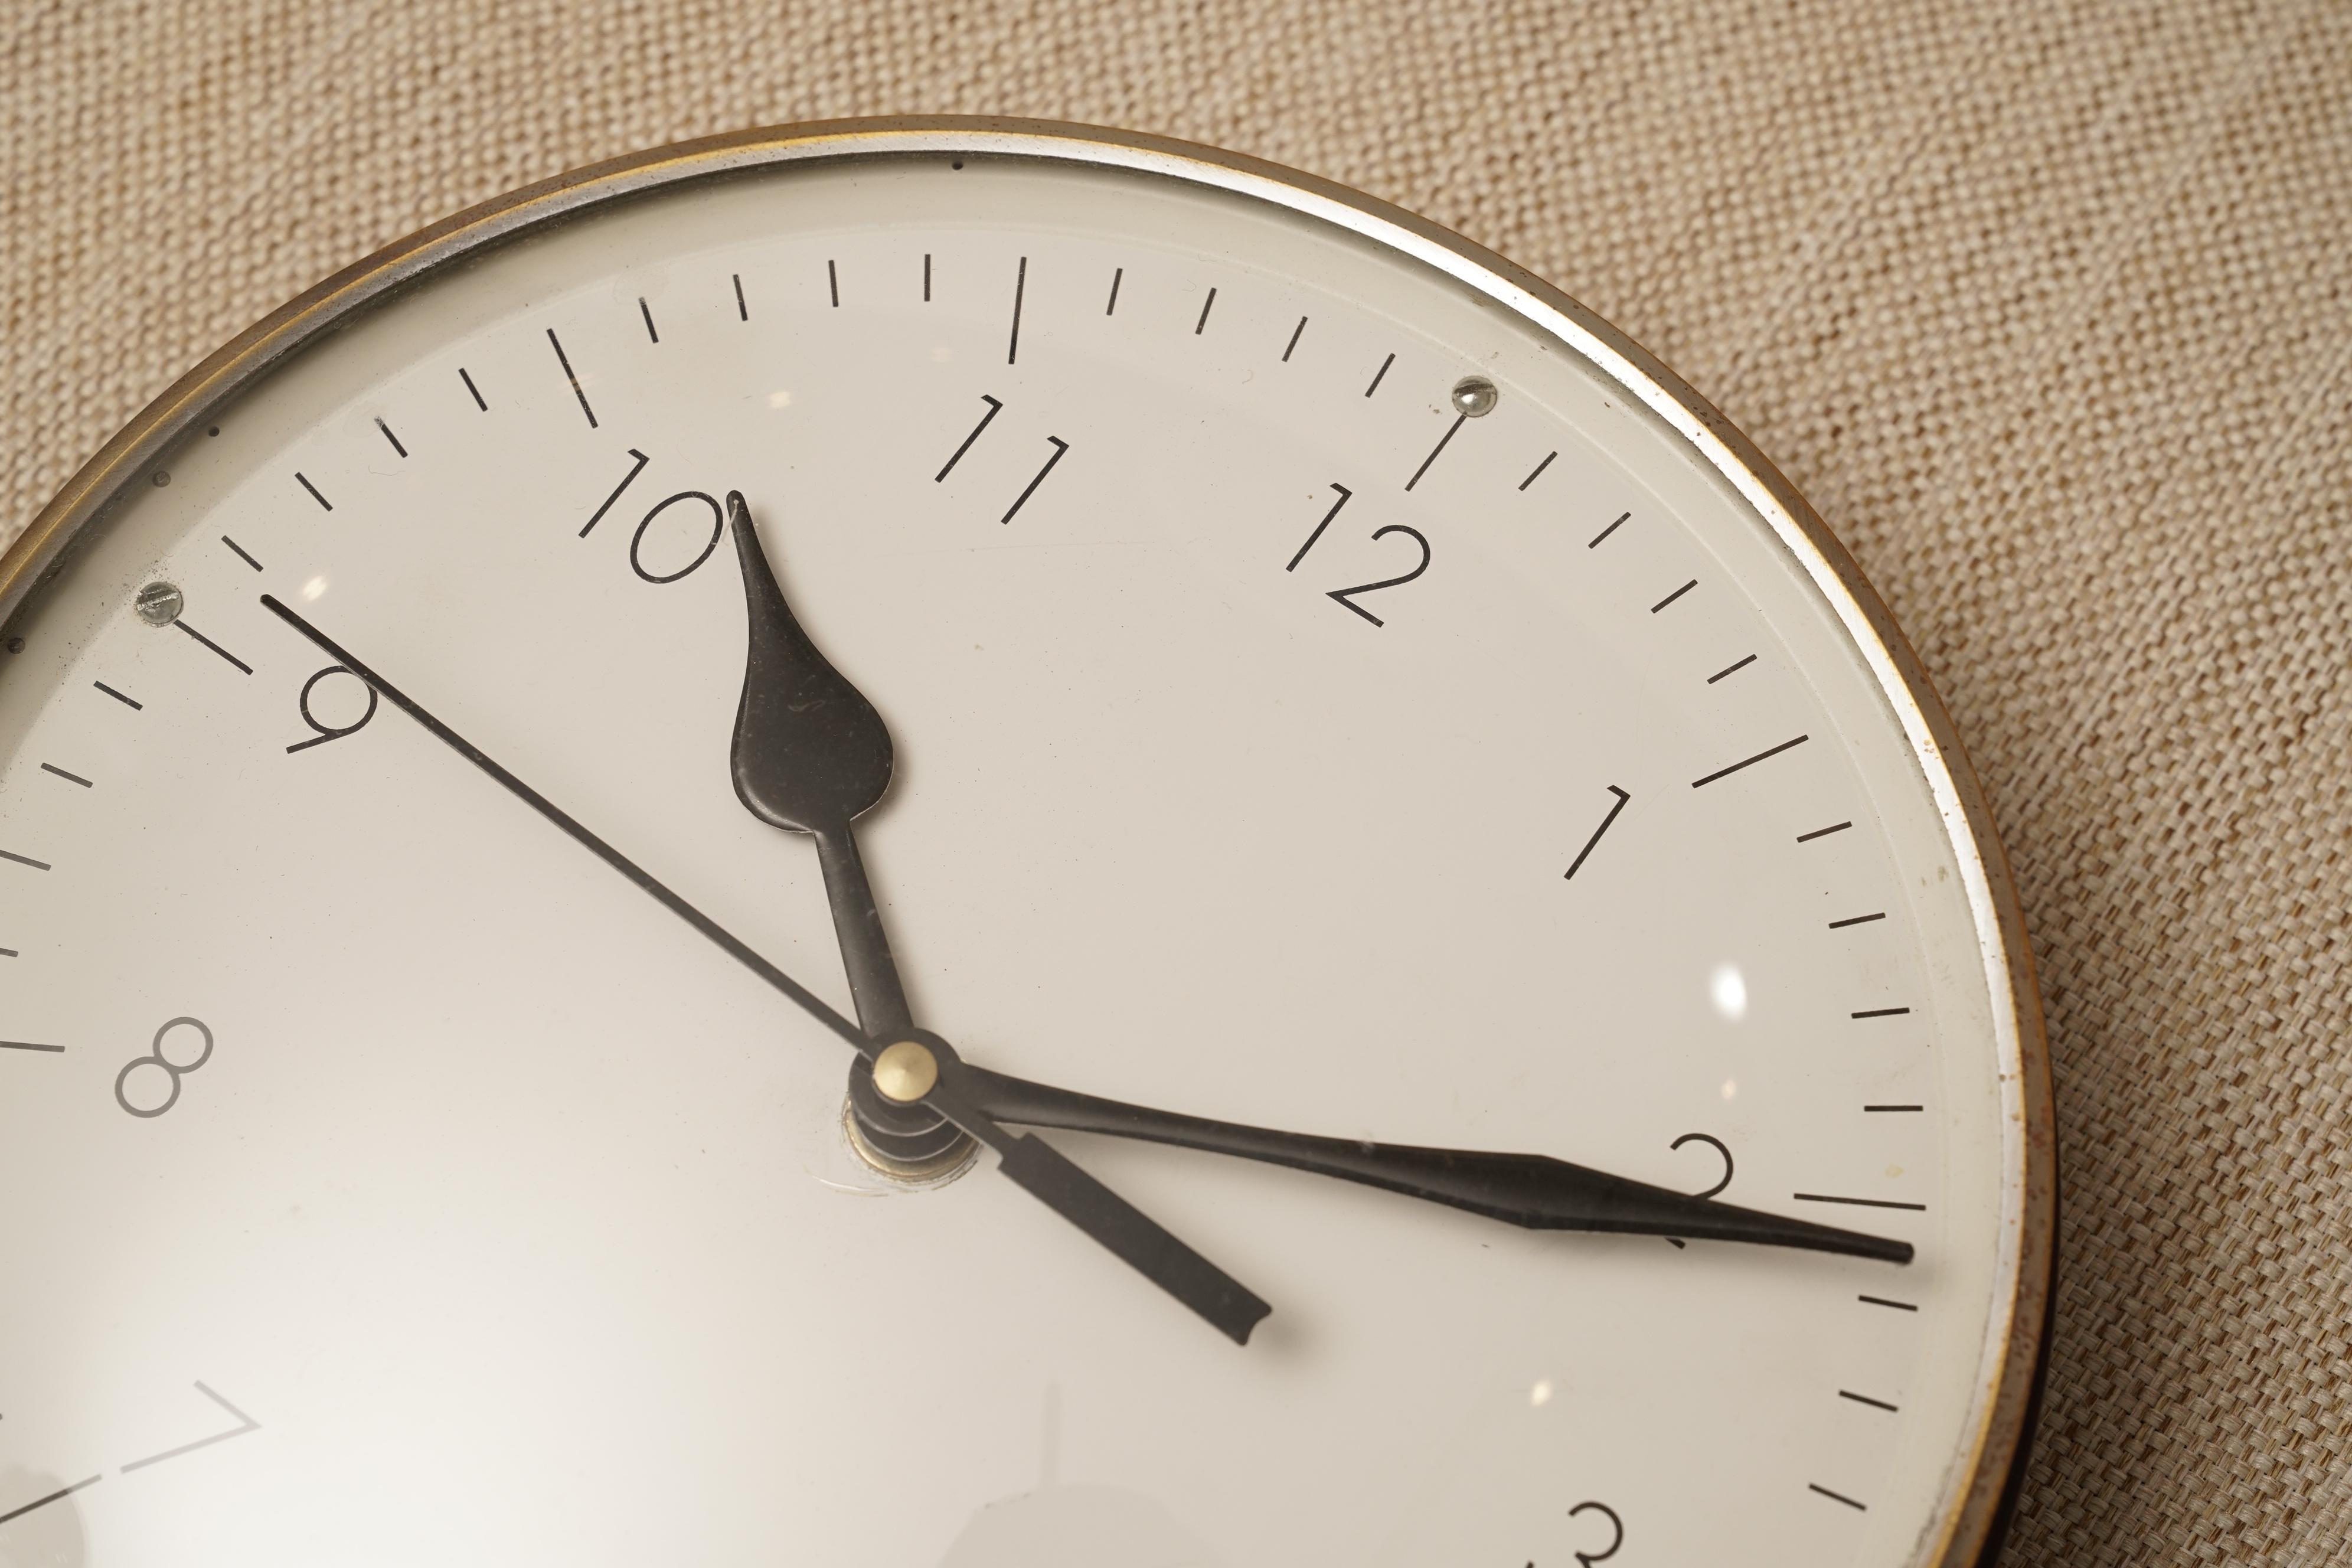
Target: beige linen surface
[2046,306]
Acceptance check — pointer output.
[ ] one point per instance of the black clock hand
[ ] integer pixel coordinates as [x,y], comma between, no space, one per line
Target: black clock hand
[810,755]
[1034,1165]
[1528,1190]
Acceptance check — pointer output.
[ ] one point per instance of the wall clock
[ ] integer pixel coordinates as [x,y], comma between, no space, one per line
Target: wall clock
[975,843]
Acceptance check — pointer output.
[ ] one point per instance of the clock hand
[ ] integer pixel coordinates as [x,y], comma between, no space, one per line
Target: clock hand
[1035,1166]
[810,755]
[1529,1190]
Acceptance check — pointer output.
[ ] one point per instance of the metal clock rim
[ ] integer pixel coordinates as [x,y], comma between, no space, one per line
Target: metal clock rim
[1974,1510]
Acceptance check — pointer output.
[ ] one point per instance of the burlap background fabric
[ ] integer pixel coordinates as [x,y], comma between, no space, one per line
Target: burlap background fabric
[2046,306]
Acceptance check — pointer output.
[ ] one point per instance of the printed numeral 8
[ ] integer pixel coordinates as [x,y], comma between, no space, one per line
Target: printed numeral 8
[174,1070]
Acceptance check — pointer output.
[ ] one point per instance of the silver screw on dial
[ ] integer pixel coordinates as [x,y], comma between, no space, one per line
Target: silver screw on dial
[1474,396]
[160,603]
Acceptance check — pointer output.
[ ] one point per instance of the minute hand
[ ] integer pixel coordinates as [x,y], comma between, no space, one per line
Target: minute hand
[1529,1190]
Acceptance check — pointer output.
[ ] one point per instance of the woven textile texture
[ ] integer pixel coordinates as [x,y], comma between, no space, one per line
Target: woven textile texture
[2045,305]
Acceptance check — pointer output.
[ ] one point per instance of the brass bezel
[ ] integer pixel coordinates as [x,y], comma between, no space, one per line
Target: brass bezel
[1973,1510]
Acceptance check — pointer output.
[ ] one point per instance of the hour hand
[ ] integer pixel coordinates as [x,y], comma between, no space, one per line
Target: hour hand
[810,755]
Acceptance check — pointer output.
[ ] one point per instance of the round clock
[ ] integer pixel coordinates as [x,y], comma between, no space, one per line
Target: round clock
[969,843]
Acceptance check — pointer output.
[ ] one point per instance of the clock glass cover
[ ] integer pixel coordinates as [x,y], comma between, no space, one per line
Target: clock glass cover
[1284,667]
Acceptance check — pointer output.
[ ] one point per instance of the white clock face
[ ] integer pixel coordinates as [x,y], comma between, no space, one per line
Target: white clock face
[1283,735]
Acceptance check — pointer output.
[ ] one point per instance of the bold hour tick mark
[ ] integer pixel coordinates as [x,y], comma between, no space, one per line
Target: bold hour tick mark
[927,278]
[1378,374]
[1539,470]
[1856,921]
[1882,1301]
[1837,1497]
[475,391]
[1866,1399]
[743,312]
[391,437]
[565,361]
[1441,440]
[324,504]
[648,313]
[1749,761]
[1207,305]
[832,283]
[130,702]
[1895,1108]
[70,778]
[24,860]
[241,555]
[1293,343]
[1116,274]
[216,647]
[1594,543]
[29,1045]
[1882,1012]
[1733,668]
[1823,831]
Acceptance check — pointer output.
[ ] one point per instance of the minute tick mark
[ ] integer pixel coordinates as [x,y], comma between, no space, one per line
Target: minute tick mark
[1823,831]
[1856,921]
[216,647]
[470,387]
[1858,1202]
[1441,440]
[1019,286]
[927,278]
[1539,469]
[28,1045]
[1206,306]
[1116,274]
[1882,1012]
[1731,669]
[833,283]
[1882,1301]
[241,555]
[743,312]
[1837,1497]
[648,313]
[1378,374]
[324,504]
[1293,343]
[1594,543]
[130,702]
[1677,594]
[70,778]
[1895,1108]
[23,860]
[565,361]
[1866,1399]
